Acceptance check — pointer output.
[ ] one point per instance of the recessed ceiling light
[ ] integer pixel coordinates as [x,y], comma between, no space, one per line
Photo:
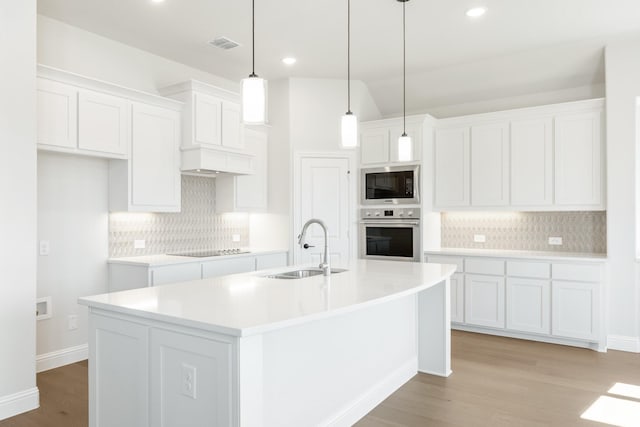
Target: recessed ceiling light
[476,12]
[289,60]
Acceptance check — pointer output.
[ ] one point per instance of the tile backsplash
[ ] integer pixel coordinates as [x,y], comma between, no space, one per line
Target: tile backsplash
[196,228]
[529,231]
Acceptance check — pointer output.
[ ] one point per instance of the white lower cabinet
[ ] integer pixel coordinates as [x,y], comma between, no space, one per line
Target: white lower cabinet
[484,300]
[457,298]
[174,273]
[125,276]
[575,310]
[191,379]
[223,267]
[528,305]
[539,299]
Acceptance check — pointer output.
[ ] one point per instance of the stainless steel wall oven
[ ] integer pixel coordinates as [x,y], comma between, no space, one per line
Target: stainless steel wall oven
[391,234]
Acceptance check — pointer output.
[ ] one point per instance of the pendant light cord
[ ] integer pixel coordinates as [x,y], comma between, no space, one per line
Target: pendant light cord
[404,71]
[253,38]
[348,56]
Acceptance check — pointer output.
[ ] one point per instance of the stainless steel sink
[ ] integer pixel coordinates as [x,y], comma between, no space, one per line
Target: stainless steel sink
[302,273]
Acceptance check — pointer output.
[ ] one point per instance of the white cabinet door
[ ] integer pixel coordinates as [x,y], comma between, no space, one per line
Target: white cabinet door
[175,273]
[578,159]
[191,380]
[103,123]
[457,298]
[251,190]
[531,162]
[451,168]
[155,159]
[231,126]
[528,305]
[484,300]
[374,146]
[57,114]
[207,115]
[118,372]
[264,262]
[415,132]
[574,310]
[228,266]
[490,165]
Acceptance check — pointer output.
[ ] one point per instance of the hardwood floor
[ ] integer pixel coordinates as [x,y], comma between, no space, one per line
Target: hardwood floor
[496,382]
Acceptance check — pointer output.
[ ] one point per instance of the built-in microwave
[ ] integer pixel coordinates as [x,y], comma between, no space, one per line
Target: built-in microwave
[393,185]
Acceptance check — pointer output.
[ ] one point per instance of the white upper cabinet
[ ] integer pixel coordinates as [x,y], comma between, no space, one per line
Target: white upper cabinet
[534,159]
[490,165]
[578,157]
[532,162]
[374,146]
[232,129]
[103,122]
[246,193]
[57,114]
[379,141]
[451,168]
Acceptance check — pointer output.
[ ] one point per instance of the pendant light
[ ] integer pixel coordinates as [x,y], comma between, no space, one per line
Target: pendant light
[254,93]
[349,120]
[405,146]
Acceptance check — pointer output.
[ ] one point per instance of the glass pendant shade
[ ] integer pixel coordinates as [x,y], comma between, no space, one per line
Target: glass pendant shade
[349,130]
[254,101]
[405,148]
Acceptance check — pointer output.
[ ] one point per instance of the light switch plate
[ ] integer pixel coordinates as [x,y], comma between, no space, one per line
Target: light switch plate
[555,241]
[45,247]
[479,238]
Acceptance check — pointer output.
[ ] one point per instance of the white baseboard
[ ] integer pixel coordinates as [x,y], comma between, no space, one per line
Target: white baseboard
[361,406]
[18,403]
[63,357]
[622,343]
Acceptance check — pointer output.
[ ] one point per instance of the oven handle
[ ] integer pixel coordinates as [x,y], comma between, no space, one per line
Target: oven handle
[390,222]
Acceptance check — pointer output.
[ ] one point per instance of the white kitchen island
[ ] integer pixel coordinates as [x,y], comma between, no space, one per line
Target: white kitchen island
[246,350]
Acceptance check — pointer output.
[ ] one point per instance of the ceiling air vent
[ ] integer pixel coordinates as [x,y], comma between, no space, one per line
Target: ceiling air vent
[224,43]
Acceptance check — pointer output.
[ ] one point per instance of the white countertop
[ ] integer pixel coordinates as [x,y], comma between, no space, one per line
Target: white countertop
[248,304]
[498,253]
[162,259]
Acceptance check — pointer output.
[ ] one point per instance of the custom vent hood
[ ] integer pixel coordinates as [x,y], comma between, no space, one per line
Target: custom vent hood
[212,133]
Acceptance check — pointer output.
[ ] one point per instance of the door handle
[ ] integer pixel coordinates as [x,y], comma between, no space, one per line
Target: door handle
[307,246]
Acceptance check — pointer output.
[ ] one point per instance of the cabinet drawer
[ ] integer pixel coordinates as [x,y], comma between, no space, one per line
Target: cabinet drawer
[536,270]
[484,266]
[443,259]
[175,273]
[582,273]
[228,266]
[271,261]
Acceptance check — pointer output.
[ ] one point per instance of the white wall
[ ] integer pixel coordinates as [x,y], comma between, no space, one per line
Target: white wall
[18,392]
[623,87]
[72,216]
[317,106]
[70,48]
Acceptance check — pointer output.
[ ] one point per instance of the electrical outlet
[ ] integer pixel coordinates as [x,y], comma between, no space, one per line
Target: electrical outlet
[188,380]
[73,322]
[479,238]
[45,248]
[556,241]
[139,244]
[235,237]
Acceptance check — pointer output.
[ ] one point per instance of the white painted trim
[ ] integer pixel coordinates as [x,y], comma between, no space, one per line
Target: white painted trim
[361,406]
[20,402]
[622,343]
[63,357]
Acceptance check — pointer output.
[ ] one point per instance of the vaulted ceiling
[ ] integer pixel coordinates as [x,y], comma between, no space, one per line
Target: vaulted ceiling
[519,47]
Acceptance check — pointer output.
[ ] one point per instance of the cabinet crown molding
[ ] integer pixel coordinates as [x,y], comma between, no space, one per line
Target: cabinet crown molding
[200,87]
[84,82]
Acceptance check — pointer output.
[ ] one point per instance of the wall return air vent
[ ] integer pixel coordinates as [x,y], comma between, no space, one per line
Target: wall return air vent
[224,43]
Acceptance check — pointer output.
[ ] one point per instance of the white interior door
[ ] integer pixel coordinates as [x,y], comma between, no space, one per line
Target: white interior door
[324,193]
